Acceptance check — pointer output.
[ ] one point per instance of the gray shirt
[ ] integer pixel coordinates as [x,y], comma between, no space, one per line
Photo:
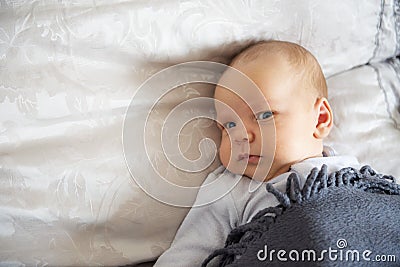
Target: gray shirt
[206,228]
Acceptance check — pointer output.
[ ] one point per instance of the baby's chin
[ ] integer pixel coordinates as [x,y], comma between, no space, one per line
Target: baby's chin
[259,174]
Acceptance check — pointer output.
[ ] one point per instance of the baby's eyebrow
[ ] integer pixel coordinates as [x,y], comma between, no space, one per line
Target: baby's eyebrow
[219,125]
[260,107]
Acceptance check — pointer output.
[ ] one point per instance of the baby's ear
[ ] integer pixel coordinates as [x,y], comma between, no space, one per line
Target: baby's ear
[325,118]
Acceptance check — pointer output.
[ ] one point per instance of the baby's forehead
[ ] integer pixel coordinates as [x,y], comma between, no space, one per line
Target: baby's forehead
[229,99]
[238,80]
[300,63]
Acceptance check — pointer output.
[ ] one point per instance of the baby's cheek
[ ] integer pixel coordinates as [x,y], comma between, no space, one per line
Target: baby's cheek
[225,151]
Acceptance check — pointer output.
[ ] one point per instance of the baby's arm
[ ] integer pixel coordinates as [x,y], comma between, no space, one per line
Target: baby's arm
[204,229]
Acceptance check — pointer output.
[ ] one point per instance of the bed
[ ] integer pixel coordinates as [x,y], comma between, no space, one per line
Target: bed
[71,71]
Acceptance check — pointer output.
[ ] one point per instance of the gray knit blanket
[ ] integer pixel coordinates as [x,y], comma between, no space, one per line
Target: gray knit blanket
[348,218]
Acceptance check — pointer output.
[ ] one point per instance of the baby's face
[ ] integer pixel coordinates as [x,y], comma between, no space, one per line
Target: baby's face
[286,123]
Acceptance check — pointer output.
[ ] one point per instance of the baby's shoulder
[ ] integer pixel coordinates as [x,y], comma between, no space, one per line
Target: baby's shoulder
[221,187]
[223,180]
[217,187]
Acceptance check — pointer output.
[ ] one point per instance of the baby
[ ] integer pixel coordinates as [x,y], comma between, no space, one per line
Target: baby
[297,117]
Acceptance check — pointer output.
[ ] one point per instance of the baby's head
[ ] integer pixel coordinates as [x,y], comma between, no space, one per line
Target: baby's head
[292,82]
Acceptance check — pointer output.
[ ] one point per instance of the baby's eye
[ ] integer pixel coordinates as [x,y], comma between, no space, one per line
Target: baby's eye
[229,125]
[264,115]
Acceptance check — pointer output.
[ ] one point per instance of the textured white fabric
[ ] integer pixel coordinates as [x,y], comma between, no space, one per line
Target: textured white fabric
[366,107]
[206,228]
[68,70]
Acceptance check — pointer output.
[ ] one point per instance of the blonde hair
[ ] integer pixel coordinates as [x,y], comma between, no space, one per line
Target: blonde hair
[299,57]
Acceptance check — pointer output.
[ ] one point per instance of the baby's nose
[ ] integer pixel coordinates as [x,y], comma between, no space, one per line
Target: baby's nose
[249,137]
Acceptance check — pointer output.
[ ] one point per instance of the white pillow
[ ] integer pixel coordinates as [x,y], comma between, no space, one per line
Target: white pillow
[366,107]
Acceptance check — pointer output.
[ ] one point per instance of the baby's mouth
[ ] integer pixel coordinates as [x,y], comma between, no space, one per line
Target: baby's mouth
[249,158]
